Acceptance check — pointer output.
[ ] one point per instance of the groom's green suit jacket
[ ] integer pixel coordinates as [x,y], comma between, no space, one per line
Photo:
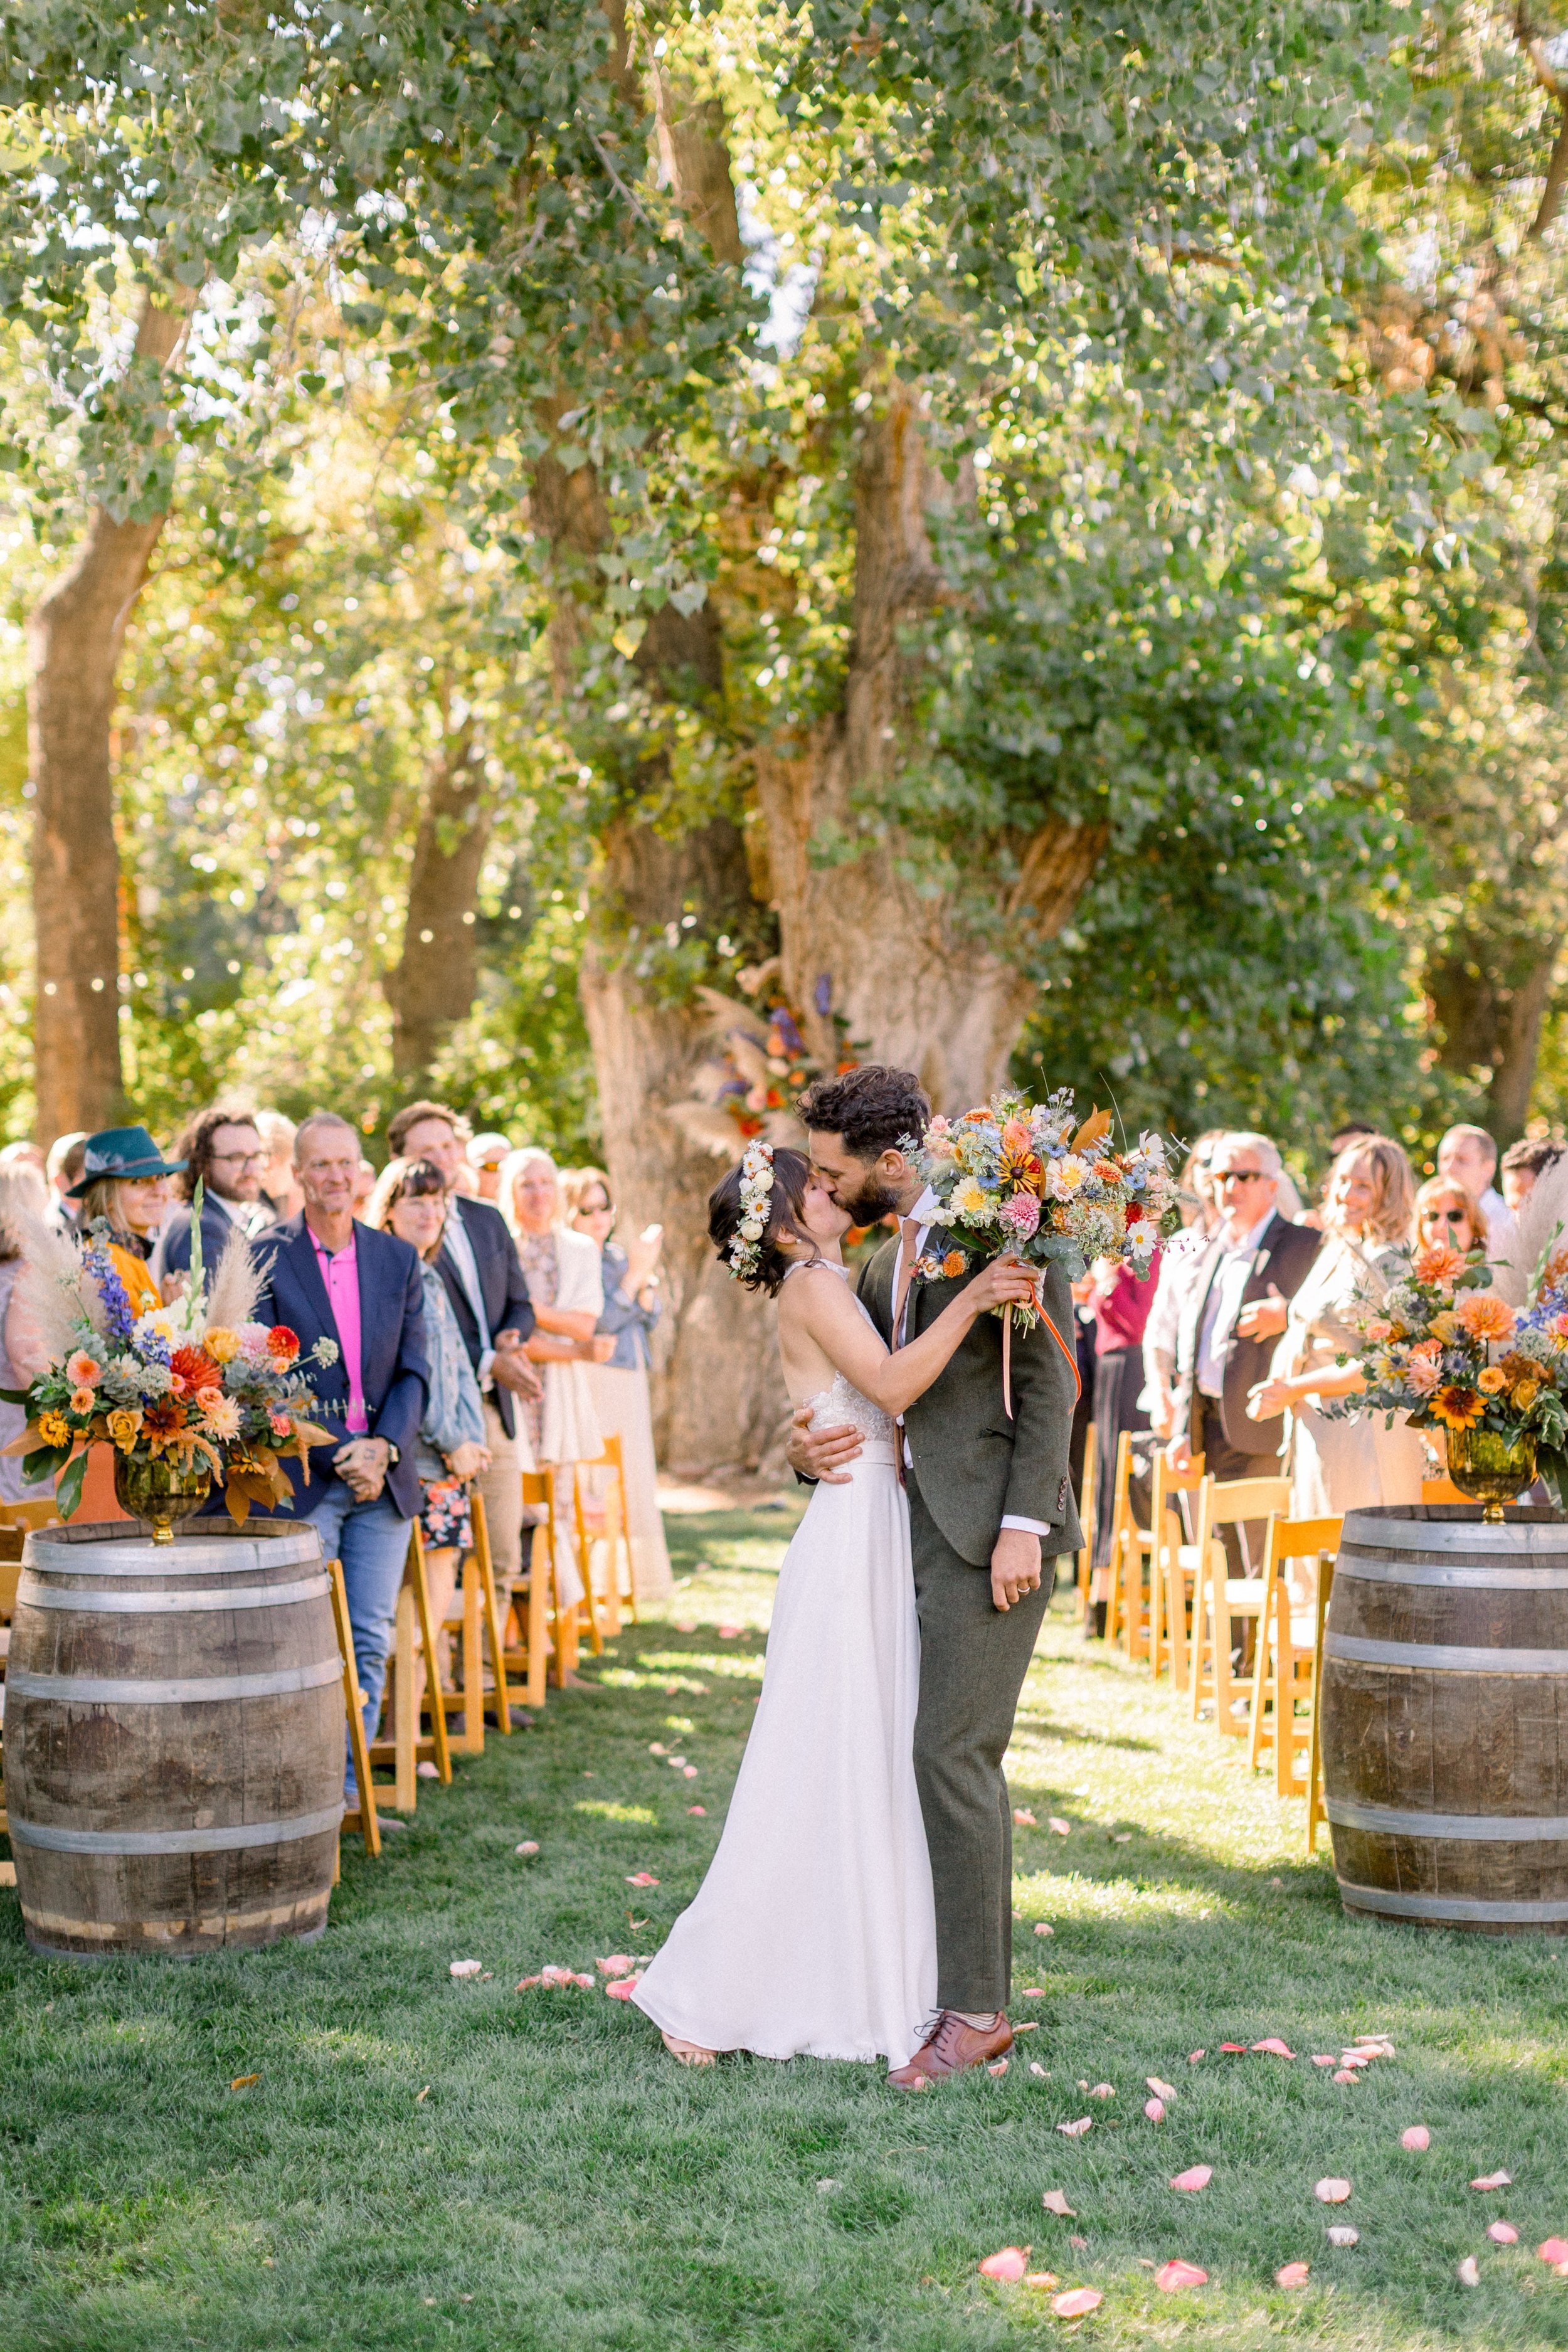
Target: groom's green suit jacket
[973,1467]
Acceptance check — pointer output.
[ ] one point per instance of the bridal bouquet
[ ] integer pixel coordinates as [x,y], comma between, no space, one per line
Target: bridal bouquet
[1446,1349]
[1027,1177]
[187,1392]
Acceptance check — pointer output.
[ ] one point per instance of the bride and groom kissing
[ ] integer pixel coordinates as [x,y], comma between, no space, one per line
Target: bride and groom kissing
[859,1904]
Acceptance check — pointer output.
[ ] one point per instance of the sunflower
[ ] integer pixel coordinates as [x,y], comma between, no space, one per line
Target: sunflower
[1458,1408]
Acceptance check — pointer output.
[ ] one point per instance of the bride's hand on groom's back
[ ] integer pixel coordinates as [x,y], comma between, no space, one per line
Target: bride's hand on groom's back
[820,1455]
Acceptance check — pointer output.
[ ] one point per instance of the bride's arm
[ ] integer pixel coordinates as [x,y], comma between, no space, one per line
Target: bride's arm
[826,1313]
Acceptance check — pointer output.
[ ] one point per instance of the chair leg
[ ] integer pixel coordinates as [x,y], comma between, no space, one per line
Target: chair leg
[1315,1812]
[364,1821]
[538,1620]
[404,1722]
[435,1695]
[1266,1687]
[1159,1633]
[490,1603]
[473,1693]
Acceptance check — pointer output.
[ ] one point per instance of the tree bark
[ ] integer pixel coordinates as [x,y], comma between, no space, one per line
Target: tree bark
[915,986]
[433,983]
[1489,996]
[74,639]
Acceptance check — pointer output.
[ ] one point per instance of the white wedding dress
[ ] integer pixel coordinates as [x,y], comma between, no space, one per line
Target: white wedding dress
[813,1933]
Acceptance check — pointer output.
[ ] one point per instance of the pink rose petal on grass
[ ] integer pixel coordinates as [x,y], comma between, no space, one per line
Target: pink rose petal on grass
[1196,2056]
[1274,2048]
[1552,2250]
[1418,2140]
[1345,2074]
[730,1633]
[1344,2235]
[1077,2131]
[1042,1930]
[1331,2191]
[642,1878]
[1502,2233]
[1292,2274]
[1010,2263]
[1054,2200]
[1174,2275]
[1234,2049]
[622,1988]
[997,2066]
[1161,2090]
[465,1968]
[529,1847]
[1318,2060]
[1155,2110]
[1077,2301]
[685,1625]
[1493,2180]
[1196,2176]
[619,1964]
[1103,2091]
[689,1772]
[1040,2280]
[1036,2068]
[1024,1819]
[1062,1829]
[657,1747]
[1468,2273]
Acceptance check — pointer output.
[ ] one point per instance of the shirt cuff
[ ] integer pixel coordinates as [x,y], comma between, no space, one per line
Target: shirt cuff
[1030,1527]
[487,1364]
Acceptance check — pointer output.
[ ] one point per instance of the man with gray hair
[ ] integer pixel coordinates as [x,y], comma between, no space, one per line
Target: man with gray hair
[1235,1312]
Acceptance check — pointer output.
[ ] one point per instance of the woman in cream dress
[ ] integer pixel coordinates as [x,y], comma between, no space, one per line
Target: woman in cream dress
[1350,1465]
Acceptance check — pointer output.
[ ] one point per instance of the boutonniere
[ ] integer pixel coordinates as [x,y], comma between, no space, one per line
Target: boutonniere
[938,1265]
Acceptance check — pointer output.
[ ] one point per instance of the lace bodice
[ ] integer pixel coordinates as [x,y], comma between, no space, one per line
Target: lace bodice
[832,1407]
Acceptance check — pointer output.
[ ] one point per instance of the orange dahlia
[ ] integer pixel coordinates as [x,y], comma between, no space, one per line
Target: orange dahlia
[1438,1263]
[1485,1316]
[1458,1408]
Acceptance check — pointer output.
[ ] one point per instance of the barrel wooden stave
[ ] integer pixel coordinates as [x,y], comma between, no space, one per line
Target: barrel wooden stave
[1481,1753]
[211,1776]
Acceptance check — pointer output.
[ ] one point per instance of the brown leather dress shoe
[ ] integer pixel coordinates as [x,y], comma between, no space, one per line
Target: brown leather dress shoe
[953,2048]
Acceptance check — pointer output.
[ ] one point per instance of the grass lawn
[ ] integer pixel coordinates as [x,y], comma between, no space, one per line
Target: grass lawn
[432,2162]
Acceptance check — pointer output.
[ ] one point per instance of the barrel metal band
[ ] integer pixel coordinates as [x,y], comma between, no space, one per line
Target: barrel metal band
[90,1690]
[1484,1579]
[1443,1657]
[146,1604]
[1481,1829]
[1457,1907]
[146,1563]
[57,1840]
[1394,1528]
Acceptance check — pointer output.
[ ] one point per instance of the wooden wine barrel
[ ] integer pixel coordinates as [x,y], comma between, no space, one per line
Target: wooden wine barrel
[174,1738]
[1445,1719]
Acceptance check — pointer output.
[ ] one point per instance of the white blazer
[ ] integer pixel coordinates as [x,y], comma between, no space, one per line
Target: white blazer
[572,1432]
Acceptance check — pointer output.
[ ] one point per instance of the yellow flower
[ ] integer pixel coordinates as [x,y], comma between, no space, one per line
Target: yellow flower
[124,1427]
[1492,1381]
[1445,1327]
[221,1344]
[53,1429]
[970,1200]
[1064,1176]
[1457,1408]
[219,1412]
[1525,1394]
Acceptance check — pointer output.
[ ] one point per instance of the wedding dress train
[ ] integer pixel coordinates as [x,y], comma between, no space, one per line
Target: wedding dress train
[814,1933]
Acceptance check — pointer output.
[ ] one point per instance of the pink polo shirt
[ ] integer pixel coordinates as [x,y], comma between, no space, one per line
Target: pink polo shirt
[340,1272]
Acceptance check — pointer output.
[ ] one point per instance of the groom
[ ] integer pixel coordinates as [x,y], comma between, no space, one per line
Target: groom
[990,1507]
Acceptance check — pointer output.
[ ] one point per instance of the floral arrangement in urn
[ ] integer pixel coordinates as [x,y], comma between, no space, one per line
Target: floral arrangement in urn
[1445,1348]
[185,1393]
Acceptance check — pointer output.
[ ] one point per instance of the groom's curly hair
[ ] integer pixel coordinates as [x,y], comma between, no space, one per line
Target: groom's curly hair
[872,1107]
[791,1174]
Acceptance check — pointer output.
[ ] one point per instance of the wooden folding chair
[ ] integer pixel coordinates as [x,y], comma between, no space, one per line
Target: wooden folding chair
[1127,1612]
[1172,1569]
[1223,1604]
[1087,1501]
[603,1519]
[476,1617]
[1316,1813]
[551,1487]
[1284,1671]
[526,1658]
[406,1749]
[363,1816]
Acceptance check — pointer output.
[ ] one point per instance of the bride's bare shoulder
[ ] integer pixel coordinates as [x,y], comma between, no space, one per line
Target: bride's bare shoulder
[810,1286]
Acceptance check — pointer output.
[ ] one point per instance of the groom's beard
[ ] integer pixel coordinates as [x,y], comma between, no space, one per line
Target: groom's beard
[871,1203]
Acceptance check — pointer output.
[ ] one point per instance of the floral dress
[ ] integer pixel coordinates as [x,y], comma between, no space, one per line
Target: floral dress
[454,1416]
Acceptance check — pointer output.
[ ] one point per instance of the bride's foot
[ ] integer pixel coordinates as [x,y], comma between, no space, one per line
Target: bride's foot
[688,2054]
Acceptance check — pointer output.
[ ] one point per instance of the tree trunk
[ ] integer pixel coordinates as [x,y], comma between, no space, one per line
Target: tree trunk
[74,641]
[433,983]
[1489,996]
[916,989]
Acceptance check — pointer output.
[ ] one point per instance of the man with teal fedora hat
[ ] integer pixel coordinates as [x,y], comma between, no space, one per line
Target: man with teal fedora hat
[121,1155]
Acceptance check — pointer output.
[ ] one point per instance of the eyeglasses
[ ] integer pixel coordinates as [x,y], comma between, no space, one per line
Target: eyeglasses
[1241,1176]
[241,1159]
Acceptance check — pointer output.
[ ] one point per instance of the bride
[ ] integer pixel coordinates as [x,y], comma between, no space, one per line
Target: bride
[814,1931]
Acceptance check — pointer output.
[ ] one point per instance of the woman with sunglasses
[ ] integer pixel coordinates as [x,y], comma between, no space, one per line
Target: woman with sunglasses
[621,1386]
[410,1201]
[1449,1212]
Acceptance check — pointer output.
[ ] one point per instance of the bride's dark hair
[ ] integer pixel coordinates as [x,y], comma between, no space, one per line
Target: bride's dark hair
[791,1174]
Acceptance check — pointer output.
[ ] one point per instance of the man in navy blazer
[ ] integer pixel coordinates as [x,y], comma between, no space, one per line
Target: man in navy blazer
[330,1277]
[224,1154]
[483,1278]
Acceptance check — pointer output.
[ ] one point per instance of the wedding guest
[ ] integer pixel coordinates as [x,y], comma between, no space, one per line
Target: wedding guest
[566,1284]
[1522,1163]
[410,1201]
[484,1154]
[1469,1155]
[61,1169]
[280,1191]
[330,1279]
[485,1289]
[1352,1465]
[1235,1312]
[223,1153]
[1180,1262]
[23,1155]
[124,1180]
[1120,1302]
[364,1186]
[1449,1212]
[620,1386]
[23,1195]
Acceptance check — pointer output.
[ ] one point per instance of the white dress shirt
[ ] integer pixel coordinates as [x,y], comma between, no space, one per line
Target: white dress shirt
[460,1249]
[924,1213]
[1224,1305]
[1502,1231]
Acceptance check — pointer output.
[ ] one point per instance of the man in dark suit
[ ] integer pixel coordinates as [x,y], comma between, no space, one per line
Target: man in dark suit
[1237,1310]
[224,1154]
[479,1266]
[328,1278]
[991,1509]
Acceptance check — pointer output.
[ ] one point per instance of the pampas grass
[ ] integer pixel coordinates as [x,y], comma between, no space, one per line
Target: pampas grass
[55,1295]
[1543,1219]
[237,1285]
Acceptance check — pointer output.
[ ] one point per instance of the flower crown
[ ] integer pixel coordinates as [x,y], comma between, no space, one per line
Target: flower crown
[756,1186]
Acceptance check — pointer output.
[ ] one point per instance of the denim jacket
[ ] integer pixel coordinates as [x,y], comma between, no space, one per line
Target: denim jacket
[454,1411]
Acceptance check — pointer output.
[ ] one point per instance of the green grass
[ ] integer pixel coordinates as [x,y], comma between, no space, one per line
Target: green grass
[561,2185]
